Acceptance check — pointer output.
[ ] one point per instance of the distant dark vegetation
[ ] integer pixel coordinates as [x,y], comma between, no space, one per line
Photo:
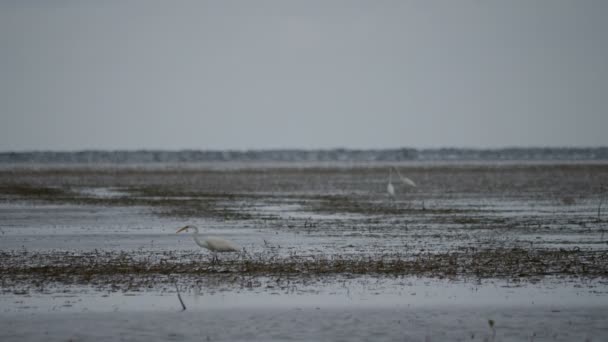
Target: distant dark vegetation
[382,155]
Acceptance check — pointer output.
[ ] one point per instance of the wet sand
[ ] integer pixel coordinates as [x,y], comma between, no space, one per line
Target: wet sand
[98,245]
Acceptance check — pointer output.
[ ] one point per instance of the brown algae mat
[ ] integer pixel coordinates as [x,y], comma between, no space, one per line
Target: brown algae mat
[143,270]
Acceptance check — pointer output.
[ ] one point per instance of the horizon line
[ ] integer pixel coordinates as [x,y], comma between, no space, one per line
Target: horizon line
[236,150]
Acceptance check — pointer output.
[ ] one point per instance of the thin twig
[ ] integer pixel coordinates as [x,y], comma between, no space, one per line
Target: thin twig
[180,298]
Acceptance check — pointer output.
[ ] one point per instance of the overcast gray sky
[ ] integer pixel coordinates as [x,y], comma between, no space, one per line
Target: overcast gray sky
[302,74]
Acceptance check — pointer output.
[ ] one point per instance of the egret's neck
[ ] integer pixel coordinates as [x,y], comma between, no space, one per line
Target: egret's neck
[198,240]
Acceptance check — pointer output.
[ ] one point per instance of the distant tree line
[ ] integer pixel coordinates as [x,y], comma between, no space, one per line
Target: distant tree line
[295,155]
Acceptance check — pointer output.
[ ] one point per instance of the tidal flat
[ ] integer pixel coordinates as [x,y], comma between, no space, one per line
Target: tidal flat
[479,251]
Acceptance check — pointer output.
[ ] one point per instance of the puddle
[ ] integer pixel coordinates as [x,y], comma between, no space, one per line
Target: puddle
[102,192]
[297,211]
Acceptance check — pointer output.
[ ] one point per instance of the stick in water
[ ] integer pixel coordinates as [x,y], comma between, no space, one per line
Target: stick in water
[180,297]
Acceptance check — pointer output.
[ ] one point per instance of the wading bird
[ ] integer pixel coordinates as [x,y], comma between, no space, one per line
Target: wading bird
[404,179]
[390,188]
[214,244]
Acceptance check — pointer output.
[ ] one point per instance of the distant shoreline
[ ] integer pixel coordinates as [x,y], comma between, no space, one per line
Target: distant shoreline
[305,156]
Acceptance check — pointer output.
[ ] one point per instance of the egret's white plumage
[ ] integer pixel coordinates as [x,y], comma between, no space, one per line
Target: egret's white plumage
[405,180]
[389,187]
[214,244]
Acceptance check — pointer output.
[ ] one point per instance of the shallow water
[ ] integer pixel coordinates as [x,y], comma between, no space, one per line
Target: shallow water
[331,292]
[357,309]
[334,324]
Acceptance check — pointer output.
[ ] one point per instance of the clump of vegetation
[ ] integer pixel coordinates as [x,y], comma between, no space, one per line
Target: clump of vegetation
[31,191]
[353,205]
[137,270]
[166,202]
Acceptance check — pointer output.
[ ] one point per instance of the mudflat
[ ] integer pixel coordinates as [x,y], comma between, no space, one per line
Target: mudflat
[503,251]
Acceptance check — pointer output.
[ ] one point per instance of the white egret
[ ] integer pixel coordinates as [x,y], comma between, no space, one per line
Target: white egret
[389,187]
[404,179]
[214,244]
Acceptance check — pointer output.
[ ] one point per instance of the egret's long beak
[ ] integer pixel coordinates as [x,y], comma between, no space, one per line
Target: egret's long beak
[181,229]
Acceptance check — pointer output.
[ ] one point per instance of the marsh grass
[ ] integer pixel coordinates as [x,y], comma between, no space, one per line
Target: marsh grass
[354,205]
[187,203]
[143,270]
[165,203]
[34,192]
